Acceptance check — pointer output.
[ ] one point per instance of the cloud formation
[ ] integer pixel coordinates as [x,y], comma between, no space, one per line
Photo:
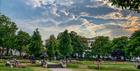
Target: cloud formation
[68,14]
[88,18]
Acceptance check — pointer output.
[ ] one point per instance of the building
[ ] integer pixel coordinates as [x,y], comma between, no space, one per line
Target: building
[90,40]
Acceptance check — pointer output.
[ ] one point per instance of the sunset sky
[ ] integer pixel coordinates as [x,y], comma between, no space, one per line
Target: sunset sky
[88,18]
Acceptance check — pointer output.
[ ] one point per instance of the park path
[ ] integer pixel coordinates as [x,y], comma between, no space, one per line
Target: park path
[59,69]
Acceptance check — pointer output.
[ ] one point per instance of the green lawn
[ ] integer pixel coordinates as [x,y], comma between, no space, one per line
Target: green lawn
[28,67]
[105,66]
[31,68]
[3,68]
[78,66]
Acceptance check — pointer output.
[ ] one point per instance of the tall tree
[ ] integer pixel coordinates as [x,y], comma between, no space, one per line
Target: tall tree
[135,34]
[7,32]
[65,46]
[101,46]
[52,47]
[22,41]
[77,44]
[134,43]
[36,45]
[127,4]
[119,47]
[137,52]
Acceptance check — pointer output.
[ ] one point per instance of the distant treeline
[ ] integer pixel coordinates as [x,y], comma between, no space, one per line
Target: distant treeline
[66,44]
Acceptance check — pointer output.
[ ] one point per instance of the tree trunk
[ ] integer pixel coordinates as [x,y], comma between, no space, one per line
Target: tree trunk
[98,62]
[0,53]
[3,51]
[20,53]
[11,52]
[7,51]
[50,59]
[66,60]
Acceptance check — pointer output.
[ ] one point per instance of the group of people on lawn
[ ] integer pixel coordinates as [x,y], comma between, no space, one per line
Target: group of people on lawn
[15,63]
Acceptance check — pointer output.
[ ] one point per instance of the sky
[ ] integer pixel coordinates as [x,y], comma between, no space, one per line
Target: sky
[88,18]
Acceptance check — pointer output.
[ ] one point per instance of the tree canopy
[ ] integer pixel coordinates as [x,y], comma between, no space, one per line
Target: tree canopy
[101,46]
[77,44]
[65,46]
[7,32]
[134,43]
[36,45]
[22,41]
[52,47]
[119,46]
[133,5]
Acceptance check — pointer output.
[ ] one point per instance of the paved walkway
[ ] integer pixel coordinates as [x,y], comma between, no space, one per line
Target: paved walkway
[59,69]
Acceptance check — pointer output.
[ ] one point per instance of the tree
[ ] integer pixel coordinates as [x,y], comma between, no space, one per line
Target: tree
[135,34]
[7,32]
[22,41]
[65,46]
[36,45]
[119,47]
[137,51]
[52,46]
[133,5]
[77,44]
[100,47]
[133,43]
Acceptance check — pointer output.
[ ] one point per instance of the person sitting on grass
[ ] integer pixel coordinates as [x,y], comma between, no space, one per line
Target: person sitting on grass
[18,64]
[9,63]
[32,59]
[63,64]
[43,63]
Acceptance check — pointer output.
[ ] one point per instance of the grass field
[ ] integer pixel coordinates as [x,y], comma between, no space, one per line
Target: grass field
[28,67]
[105,66]
[77,66]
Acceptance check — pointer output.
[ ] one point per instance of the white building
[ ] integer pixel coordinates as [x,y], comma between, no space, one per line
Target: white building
[90,40]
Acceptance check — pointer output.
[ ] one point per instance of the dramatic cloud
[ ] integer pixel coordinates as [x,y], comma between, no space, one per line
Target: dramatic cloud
[39,3]
[133,24]
[88,18]
[80,16]
[112,15]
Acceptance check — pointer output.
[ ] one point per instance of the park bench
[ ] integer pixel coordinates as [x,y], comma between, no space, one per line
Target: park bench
[55,66]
